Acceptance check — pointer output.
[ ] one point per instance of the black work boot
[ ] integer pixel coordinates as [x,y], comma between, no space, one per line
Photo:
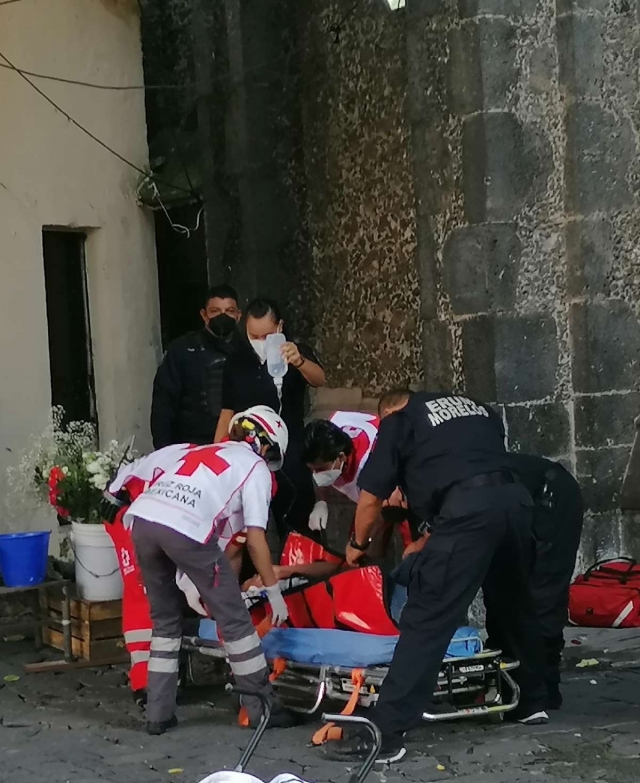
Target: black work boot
[155,729]
[281,718]
[357,746]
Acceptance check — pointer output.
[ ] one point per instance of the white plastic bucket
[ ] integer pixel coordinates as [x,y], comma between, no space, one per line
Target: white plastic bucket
[97,573]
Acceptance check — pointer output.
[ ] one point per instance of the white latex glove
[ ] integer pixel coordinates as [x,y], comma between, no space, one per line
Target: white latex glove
[278,606]
[319,516]
[191,592]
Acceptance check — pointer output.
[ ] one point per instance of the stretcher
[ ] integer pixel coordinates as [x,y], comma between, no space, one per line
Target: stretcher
[313,667]
[343,635]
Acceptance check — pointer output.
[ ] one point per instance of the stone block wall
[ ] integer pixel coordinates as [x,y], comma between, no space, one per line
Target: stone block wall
[364,290]
[524,125]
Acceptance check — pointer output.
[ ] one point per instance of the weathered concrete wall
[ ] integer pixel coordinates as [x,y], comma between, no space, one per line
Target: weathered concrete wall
[524,119]
[364,288]
[51,174]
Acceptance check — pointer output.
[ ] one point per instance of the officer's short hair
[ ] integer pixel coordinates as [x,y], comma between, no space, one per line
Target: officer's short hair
[324,441]
[222,291]
[262,306]
[392,399]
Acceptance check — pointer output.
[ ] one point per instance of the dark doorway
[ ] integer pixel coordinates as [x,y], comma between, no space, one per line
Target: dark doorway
[70,353]
[182,272]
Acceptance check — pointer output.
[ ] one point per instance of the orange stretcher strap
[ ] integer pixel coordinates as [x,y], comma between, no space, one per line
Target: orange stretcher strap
[279,668]
[264,626]
[330,731]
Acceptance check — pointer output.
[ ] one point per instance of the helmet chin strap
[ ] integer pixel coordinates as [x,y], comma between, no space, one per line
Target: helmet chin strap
[254,438]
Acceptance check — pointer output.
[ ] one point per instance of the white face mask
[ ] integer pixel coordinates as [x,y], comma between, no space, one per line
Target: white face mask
[325,478]
[260,347]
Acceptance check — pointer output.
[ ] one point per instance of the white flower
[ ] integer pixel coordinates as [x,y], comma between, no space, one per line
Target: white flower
[94,467]
[99,481]
[65,470]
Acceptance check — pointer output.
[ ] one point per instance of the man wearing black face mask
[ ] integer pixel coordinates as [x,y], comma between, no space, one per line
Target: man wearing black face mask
[188,385]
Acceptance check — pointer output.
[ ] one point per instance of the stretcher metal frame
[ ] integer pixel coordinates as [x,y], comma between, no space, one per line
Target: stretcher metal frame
[356,776]
[472,686]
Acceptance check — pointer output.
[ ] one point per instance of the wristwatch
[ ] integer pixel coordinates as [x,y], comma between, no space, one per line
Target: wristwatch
[360,547]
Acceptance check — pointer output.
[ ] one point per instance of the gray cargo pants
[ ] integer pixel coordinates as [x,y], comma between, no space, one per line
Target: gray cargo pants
[160,550]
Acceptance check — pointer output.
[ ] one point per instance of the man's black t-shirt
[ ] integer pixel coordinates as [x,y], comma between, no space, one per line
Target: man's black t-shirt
[533,471]
[247,382]
[436,441]
[537,472]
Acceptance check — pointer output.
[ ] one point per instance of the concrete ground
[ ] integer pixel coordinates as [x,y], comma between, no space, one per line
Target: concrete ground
[82,727]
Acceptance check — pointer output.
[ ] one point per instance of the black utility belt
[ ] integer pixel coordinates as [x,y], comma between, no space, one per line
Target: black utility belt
[496,478]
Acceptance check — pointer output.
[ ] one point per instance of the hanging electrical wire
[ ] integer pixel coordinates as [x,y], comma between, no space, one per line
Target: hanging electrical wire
[86,131]
[27,75]
[177,227]
[93,85]
[335,29]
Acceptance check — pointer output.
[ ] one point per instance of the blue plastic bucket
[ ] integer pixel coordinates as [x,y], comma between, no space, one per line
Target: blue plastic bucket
[23,558]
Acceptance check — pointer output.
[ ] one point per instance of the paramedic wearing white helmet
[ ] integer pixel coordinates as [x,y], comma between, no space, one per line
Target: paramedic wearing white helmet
[176,524]
[232,534]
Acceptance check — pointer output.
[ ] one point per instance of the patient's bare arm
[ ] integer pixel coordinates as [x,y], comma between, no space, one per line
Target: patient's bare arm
[312,570]
[316,570]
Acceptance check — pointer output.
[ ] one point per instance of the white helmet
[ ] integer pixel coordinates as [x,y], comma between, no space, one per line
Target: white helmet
[270,428]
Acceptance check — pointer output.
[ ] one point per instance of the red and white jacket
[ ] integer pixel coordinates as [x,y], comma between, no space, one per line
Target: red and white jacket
[362,428]
[206,490]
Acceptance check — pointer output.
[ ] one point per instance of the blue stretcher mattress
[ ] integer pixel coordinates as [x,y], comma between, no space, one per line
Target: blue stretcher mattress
[343,648]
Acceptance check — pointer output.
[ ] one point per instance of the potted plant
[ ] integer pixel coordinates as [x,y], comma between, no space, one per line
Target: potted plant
[65,468]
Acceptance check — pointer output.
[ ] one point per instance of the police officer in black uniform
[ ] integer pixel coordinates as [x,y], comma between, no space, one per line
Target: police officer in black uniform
[188,385]
[557,527]
[447,454]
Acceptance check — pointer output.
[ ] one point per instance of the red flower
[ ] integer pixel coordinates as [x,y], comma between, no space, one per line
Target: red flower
[55,477]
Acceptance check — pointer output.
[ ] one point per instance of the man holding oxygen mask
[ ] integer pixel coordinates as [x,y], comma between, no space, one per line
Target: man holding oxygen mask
[255,376]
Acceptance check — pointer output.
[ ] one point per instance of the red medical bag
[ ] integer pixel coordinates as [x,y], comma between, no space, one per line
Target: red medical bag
[353,600]
[607,595]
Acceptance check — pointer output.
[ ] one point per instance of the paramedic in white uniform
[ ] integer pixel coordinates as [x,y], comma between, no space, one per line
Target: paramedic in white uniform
[176,524]
[336,451]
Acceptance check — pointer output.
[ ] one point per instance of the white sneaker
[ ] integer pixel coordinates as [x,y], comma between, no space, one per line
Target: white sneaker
[535,719]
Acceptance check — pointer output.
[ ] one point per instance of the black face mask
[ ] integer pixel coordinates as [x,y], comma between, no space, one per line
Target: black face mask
[393,515]
[222,326]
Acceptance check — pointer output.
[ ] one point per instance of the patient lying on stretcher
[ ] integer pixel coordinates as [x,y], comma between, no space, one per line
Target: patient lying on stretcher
[303,560]
[313,562]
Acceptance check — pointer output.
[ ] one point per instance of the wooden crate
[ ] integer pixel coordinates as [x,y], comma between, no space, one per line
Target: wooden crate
[96,628]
